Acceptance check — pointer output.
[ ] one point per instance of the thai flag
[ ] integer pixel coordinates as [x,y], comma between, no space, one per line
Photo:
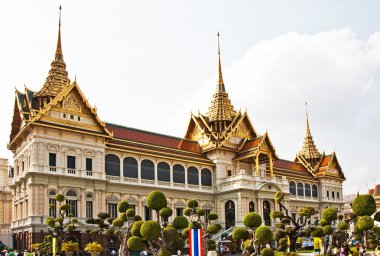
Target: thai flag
[195,242]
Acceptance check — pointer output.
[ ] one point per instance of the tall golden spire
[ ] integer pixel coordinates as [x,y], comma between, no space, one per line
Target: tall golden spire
[57,78]
[220,87]
[309,150]
[220,108]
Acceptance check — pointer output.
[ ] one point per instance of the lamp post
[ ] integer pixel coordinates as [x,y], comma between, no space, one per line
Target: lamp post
[194,216]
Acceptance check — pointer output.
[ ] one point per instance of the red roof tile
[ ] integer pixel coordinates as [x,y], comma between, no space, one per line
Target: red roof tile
[284,164]
[251,143]
[133,134]
[325,161]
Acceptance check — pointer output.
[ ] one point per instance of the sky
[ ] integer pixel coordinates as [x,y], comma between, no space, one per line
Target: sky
[149,64]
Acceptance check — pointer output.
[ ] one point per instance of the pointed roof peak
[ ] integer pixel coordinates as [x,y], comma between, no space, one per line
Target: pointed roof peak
[57,77]
[221,108]
[220,87]
[309,149]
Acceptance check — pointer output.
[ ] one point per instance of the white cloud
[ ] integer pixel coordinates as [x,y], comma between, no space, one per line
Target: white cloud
[335,72]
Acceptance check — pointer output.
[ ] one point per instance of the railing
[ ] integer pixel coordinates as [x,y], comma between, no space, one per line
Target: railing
[53,169]
[109,177]
[71,171]
[89,173]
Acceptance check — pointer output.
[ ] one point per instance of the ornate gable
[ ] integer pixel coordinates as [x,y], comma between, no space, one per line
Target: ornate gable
[330,166]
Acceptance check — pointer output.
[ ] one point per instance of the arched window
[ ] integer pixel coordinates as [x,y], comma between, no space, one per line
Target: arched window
[112,165]
[130,167]
[251,206]
[206,177]
[307,190]
[300,189]
[229,213]
[163,172]
[292,188]
[192,176]
[315,191]
[178,173]
[52,193]
[147,170]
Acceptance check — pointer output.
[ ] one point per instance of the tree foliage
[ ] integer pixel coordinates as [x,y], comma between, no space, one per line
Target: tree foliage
[364,205]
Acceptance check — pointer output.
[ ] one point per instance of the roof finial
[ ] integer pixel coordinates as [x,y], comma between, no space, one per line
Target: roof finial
[307,119]
[58,52]
[220,79]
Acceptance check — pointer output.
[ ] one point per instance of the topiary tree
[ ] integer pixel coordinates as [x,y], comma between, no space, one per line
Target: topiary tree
[294,230]
[252,221]
[157,237]
[240,235]
[63,223]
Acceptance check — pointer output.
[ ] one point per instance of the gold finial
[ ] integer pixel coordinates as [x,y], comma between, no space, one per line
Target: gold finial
[58,52]
[220,79]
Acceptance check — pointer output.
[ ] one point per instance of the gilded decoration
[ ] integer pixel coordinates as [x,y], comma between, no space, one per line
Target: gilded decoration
[72,102]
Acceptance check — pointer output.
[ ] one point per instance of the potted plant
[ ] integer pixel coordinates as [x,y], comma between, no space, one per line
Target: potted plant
[94,248]
[69,248]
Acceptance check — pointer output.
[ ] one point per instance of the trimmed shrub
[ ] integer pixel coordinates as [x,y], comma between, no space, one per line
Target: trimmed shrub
[249,248]
[267,252]
[306,211]
[365,223]
[263,234]
[196,225]
[324,222]
[166,212]
[328,230]
[156,200]
[118,222]
[137,218]
[211,245]
[187,211]
[59,197]
[364,205]
[212,229]
[329,214]
[213,216]
[123,206]
[135,230]
[278,234]
[192,203]
[103,215]
[164,253]
[171,234]
[200,212]
[131,213]
[252,220]
[377,217]
[180,222]
[276,215]
[317,232]
[135,243]
[343,226]
[185,233]
[150,230]
[240,234]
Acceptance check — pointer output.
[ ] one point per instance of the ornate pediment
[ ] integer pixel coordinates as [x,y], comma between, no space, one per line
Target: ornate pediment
[180,204]
[112,198]
[73,102]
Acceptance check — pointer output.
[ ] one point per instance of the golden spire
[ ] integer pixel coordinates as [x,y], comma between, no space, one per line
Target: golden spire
[309,150]
[221,108]
[220,79]
[57,78]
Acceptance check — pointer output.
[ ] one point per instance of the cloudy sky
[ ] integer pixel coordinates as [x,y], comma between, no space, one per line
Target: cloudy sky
[148,64]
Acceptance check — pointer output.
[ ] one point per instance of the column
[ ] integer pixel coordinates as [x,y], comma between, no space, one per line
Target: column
[171,176]
[271,165]
[186,184]
[121,168]
[139,171]
[257,164]
[155,173]
[200,178]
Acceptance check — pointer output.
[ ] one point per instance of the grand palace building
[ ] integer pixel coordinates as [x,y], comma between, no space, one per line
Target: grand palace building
[60,145]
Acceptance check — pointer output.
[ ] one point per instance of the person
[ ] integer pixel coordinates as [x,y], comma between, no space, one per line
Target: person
[342,251]
[179,252]
[362,253]
[335,251]
[347,249]
[357,247]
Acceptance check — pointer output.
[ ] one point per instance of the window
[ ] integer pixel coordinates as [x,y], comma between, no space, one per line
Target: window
[72,117]
[300,189]
[73,207]
[206,177]
[64,115]
[163,172]
[89,209]
[88,164]
[192,176]
[52,161]
[23,166]
[293,216]
[207,213]
[251,206]
[147,170]
[112,165]
[337,195]
[179,211]
[229,173]
[178,174]
[315,191]
[78,118]
[52,207]
[147,213]
[71,193]
[328,194]
[130,168]
[18,170]
[112,210]
[292,188]
[71,162]
[307,190]
[333,194]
